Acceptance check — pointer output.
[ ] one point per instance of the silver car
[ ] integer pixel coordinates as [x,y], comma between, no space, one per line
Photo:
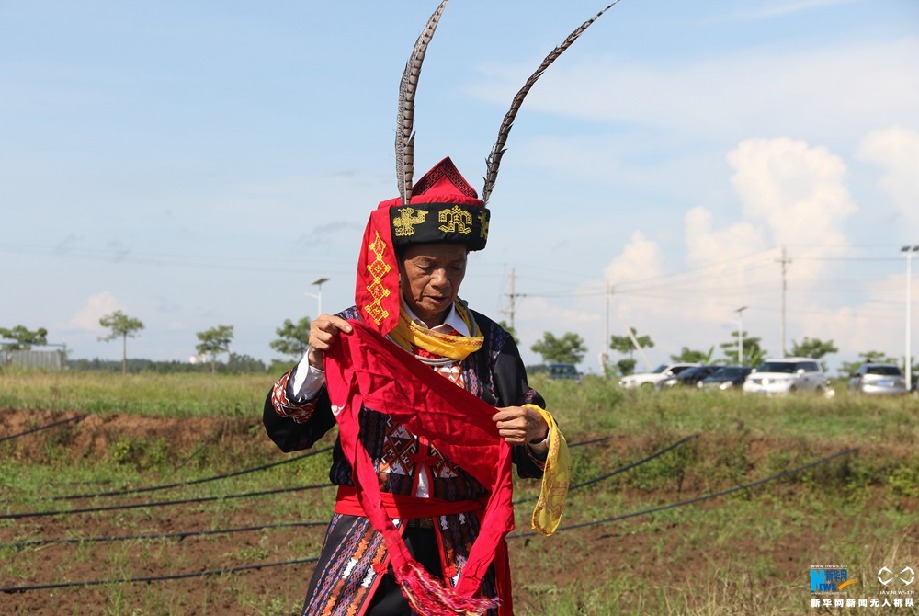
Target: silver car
[878,379]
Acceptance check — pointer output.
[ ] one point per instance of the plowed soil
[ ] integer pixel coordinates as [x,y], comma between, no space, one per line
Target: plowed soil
[662,556]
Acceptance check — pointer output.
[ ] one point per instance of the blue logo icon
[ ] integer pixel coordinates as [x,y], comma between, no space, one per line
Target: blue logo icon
[828,579]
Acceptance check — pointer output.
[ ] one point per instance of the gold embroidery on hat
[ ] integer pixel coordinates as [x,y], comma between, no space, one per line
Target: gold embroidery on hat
[408,217]
[456,220]
[484,222]
[377,269]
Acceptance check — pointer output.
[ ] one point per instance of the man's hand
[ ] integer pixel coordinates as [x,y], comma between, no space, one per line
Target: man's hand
[322,335]
[519,425]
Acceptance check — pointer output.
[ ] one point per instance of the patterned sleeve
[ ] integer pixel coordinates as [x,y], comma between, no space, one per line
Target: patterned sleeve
[294,425]
[298,412]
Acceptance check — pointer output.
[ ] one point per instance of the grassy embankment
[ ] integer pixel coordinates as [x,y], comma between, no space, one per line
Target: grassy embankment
[745,553]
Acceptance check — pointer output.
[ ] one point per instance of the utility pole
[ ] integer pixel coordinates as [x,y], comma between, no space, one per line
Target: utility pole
[604,356]
[784,261]
[908,368]
[318,284]
[513,295]
[739,312]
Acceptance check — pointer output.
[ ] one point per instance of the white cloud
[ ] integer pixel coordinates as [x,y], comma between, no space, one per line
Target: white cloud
[795,191]
[707,245]
[824,93]
[897,151]
[641,259]
[87,318]
[783,9]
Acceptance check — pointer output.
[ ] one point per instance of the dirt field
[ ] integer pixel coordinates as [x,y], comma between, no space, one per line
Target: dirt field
[699,557]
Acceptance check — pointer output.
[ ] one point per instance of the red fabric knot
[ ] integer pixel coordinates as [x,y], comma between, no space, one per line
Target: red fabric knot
[422,453]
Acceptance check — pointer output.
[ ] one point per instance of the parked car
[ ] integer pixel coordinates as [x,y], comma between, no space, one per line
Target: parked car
[689,377]
[648,379]
[787,375]
[561,371]
[872,378]
[725,378]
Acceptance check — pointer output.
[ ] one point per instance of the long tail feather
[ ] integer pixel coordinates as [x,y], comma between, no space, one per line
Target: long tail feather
[494,159]
[405,119]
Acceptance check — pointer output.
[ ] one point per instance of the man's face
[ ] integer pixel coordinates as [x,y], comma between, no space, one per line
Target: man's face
[431,277]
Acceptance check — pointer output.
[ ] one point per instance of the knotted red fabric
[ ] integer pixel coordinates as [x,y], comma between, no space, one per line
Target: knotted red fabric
[364,369]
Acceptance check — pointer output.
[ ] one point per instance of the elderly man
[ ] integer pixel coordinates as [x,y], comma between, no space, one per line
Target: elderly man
[431,401]
[437,332]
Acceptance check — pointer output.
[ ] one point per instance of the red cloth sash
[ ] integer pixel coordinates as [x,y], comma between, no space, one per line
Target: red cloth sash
[362,368]
[403,507]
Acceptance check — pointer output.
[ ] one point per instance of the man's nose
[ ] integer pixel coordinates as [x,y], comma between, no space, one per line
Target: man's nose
[439,277]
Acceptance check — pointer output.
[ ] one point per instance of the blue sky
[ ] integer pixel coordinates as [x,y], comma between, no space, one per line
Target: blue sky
[197,164]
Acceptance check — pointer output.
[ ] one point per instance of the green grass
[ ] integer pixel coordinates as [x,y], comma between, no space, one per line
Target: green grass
[145,393]
[719,557]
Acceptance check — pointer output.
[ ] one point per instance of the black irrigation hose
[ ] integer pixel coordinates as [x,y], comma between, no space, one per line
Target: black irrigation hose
[621,469]
[192,482]
[180,535]
[590,441]
[312,559]
[157,578]
[186,501]
[696,499]
[45,427]
[166,486]
[183,534]
[151,504]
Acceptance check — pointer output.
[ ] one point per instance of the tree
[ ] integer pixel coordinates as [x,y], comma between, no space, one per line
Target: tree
[293,338]
[568,349]
[21,338]
[692,356]
[753,354]
[244,363]
[624,344]
[626,366]
[814,348]
[123,327]
[215,341]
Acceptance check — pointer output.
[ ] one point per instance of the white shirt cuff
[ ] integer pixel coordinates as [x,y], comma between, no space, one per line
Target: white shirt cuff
[306,381]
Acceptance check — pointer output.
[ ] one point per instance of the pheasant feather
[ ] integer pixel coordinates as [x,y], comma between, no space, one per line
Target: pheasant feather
[405,120]
[494,159]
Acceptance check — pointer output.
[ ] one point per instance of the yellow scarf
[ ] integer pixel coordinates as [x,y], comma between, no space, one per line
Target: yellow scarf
[555,479]
[409,335]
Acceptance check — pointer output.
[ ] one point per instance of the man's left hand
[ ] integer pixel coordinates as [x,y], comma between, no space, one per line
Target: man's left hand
[519,425]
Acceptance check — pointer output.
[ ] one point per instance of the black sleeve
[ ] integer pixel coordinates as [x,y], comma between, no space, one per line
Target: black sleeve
[512,388]
[292,436]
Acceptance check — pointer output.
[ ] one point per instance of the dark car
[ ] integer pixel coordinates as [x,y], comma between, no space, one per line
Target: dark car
[564,372]
[725,379]
[688,377]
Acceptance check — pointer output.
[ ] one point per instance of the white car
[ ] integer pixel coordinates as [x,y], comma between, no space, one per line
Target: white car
[649,379]
[787,375]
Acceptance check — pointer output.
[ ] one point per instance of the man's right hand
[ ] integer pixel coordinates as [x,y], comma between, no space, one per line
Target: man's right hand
[323,332]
